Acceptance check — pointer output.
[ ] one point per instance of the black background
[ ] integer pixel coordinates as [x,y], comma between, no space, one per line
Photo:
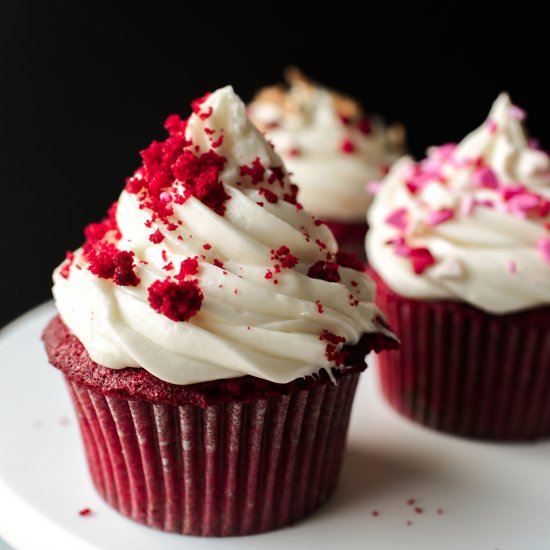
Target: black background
[81,92]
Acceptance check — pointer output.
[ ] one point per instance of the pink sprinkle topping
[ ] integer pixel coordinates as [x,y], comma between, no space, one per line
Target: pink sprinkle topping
[512,266]
[485,177]
[398,218]
[544,248]
[517,113]
[373,187]
[421,259]
[439,216]
[165,196]
[467,205]
[492,126]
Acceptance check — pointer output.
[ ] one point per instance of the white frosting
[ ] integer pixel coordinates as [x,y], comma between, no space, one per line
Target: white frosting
[247,324]
[309,138]
[489,256]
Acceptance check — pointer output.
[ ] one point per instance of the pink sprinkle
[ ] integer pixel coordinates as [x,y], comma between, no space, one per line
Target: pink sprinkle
[517,112]
[373,187]
[375,513]
[523,202]
[85,512]
[491,126]
[485,177]
[400,247]
[439,216]
[398,218]
[512,266]
[467,205]
[544,248]
[421,259]
[512,190]
[165,196]
[446,150]
[419,510]
[544,209]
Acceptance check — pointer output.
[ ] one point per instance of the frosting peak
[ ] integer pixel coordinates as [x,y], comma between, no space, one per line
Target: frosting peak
[471,221]
[208,268]
[328,143]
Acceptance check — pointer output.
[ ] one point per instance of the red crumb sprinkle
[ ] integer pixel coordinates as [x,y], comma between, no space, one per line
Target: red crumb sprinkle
[217,143]
[347,146]
[197,104]
[164,255]
[375,513]
[69,259]
[217,263]
[269,195]
[320,244]
[85,512]
[156,237]
[256,171]
[440,511]
[419,510]
[353,301]
[179,301]
[207,246]
[331,352]
[107,262]
[268,274]
[168,267]
[349,259]
[354,283]
[365,126]
[235,291]
[409,522]
[325,271]
[319,306]
[260,203]
[293,152]
[285,257]
[411,501]
[188,267]
[292,197]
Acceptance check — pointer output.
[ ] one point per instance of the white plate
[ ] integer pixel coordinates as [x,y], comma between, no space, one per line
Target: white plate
[493,496]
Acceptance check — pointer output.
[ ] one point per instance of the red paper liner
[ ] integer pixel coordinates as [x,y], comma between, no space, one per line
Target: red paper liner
[464,371]
[223,470]
[350,237]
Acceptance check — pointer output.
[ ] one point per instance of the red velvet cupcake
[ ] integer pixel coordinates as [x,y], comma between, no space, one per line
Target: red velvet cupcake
[332,149]
[459,247]
[211,336]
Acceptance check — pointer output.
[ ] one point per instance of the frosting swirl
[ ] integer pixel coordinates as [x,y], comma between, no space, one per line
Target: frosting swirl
[471,221]
[332,149]
[207,267]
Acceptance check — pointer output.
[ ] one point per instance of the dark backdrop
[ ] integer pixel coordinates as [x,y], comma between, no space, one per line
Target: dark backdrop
[82,92]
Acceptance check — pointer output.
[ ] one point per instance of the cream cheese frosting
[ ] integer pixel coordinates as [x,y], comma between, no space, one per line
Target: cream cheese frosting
[470,222]
[207,268]
[328,145]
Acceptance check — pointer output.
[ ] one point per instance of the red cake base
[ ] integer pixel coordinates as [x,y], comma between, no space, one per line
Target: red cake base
[467,372]
[224,458]
[350,237]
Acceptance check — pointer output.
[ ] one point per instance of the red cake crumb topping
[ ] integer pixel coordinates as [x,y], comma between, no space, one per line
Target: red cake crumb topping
[411,501]
[85,512]
[319,306]
[188,267]
[375,513]
[270,196]
[348,146]
[95,232]
[196,105]
[156,237]
[66,268]
[331,352]
[284,257]
[179,301]
[107,262]
[365,126]
[419,510]
[207,246]
[256,171]
[326,271]
[217,263]
[292,197]
[217,143]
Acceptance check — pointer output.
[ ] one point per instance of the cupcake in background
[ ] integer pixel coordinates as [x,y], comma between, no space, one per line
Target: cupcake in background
[332,149]
[459,245]
[211,336]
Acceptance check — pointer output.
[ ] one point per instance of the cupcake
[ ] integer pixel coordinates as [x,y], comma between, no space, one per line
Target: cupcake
[459,246]
[211,336]
[332,149]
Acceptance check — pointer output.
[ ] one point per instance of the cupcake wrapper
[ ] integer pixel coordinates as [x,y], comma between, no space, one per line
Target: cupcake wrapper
[224,470]
[350,237]
[467,372]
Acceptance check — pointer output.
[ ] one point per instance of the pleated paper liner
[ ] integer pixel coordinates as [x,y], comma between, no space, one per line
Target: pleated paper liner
[223,470]
[467,372]
[350,237]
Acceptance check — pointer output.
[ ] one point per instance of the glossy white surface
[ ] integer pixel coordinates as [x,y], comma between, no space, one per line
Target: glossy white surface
[492,496]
